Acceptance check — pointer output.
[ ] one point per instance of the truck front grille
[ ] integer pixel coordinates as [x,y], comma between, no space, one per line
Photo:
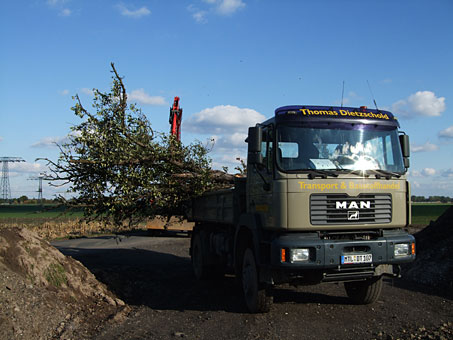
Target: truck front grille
[345,209]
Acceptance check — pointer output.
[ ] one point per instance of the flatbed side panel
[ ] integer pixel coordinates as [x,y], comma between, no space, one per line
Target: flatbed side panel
[214,207]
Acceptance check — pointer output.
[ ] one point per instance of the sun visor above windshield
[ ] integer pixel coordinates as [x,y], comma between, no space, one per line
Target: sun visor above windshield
[360,115]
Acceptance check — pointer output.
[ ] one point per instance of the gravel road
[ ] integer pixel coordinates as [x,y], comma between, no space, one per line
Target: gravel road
[153,275]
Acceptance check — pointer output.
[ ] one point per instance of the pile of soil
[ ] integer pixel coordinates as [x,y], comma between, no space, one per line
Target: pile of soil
[434,263]
[46,295]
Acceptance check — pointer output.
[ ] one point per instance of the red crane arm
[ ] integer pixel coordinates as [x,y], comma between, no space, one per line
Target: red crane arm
[175,119]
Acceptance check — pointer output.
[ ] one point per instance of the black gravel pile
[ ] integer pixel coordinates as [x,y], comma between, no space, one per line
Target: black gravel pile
[434,263]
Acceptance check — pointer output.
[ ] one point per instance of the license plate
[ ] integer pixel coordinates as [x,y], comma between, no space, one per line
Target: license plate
[353,259]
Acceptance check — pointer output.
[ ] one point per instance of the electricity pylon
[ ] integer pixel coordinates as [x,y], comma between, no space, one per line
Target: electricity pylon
[5,188]
[39,178]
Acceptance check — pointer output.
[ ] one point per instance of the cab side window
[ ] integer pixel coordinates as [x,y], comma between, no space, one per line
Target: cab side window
[267,146]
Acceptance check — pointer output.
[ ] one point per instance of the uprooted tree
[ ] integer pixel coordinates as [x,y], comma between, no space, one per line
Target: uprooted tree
[118,168]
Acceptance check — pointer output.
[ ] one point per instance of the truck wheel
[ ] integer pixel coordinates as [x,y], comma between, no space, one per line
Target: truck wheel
[200,270]
[255,294]
[364,292]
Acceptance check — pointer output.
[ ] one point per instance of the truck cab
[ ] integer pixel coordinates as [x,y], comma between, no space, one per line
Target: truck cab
[326,199]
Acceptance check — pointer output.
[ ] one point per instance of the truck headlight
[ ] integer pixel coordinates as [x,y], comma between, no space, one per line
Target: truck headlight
[401,249]
[299,255]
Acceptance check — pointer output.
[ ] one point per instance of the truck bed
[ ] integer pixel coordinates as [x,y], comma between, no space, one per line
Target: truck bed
[221,206]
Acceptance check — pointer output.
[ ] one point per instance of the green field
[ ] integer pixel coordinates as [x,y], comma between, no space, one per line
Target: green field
[28,212]
[423,213]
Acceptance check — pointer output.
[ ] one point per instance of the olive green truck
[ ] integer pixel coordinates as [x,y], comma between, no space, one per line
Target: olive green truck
[325,199]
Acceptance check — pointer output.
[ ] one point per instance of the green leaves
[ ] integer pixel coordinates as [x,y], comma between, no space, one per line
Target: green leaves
[120,169]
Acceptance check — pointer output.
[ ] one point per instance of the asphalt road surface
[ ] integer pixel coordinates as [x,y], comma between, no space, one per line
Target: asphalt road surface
[154,276]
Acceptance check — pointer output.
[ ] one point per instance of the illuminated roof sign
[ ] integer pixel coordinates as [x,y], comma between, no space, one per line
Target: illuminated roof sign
[361,115]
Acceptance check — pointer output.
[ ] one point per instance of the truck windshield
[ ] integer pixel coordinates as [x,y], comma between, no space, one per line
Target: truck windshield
[346,147]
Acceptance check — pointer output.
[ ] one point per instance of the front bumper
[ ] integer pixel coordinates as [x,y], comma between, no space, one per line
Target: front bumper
[326,258]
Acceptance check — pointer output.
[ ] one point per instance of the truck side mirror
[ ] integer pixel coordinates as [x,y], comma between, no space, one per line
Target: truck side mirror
[254,141]
[255,138]
[405,149]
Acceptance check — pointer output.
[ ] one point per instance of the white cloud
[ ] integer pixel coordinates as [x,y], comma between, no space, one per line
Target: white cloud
[429,181]
[26,167]
[223,119]
[228,158]
[54,3]
[142,97]
[426,103]
[223,156]
[448,173]
[1,139]
[225,150]
[414,173]
[421,103]
[399,107]
[431,172]
[87,91]
[228,7]
[59,5]
[447,133]
[138,13]
[219,7]
[50,142]
[200,16]
[228,126]
[428,172]
[65,12]
[433,187]
[64,92]
[424,148]
[237,139]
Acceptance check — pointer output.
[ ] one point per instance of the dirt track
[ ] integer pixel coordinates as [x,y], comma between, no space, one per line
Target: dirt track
[153,275]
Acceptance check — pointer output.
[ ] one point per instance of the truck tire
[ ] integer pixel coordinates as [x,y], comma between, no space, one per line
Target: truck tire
[200,269]
[256,294]
[364,292]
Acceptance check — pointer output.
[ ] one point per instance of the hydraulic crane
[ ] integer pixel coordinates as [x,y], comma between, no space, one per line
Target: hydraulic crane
[175,119]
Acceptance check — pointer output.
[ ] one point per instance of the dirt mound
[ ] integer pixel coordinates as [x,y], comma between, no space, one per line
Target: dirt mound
[46,295]
[434,263]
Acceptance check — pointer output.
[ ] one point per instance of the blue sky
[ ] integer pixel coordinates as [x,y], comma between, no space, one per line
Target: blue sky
[232,62]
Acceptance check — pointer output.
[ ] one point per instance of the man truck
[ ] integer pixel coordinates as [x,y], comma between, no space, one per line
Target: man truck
[325,199]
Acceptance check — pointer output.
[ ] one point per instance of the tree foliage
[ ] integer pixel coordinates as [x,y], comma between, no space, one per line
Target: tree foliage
[432,199]
[118,167]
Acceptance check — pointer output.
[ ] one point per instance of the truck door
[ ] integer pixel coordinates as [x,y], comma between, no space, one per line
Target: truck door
[260,181]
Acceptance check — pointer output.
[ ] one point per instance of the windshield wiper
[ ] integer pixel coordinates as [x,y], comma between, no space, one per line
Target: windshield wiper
[384,173]
[321,173]
[363,173]
[377,172]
